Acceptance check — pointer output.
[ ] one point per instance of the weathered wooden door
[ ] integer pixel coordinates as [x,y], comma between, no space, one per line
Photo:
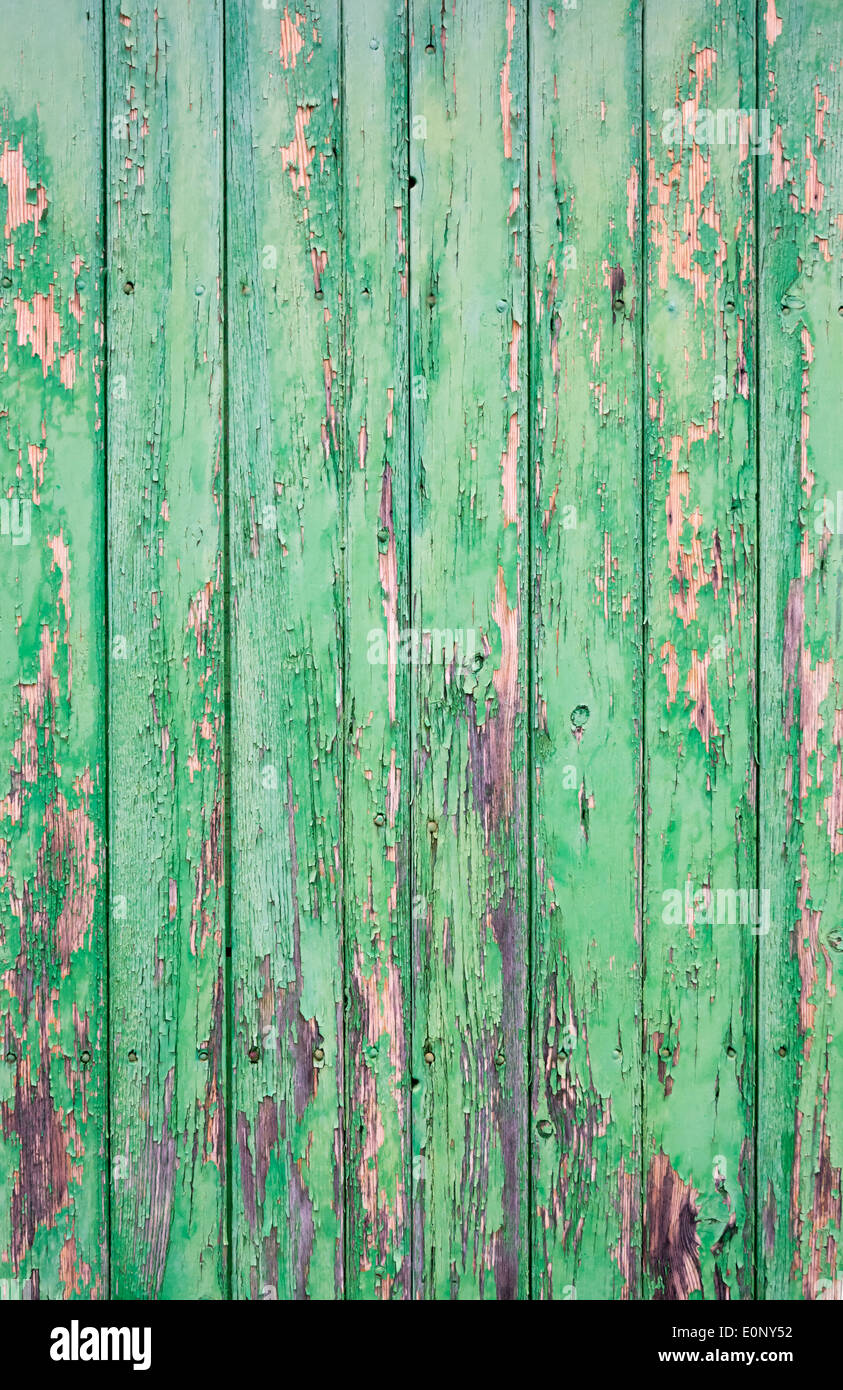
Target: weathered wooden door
[420,549]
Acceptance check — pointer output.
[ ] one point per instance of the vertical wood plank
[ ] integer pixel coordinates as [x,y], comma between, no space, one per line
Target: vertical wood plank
[702,914]
[53,1062]
[377,687]
[467,650]
[167,923]
[801,1014]
[285,359]
[585,259]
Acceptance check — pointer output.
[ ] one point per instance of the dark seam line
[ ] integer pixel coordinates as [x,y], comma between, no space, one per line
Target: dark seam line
[531,705]
[643,790]
[411,691]
[756,424]
[106,747]
[343,626]
[228,968]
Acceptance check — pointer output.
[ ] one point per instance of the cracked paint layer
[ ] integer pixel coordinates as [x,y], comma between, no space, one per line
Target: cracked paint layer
[286,425]
[377,692]
[587,629]
[53,1067]
[701,678]
[470,707]
[491,453]
[801,1032]
[166,686]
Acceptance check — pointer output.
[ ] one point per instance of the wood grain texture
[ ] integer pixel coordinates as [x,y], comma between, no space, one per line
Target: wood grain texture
[701,677]
[420,854]
[166,615]
[377,673]
[585,260]
[801,1015]
[286,416]
[53,1063]
[470,563]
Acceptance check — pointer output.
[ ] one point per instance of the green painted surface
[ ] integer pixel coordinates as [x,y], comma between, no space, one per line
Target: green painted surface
[801,1015]
[587,617]
[701,670]
[53,1063]
[377,673]
[468,527]
[285,488]
[165,607]
[382,568]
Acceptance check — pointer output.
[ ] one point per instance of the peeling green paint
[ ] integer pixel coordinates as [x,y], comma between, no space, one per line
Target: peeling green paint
[285,418]
[165,613]
[421,561]
[377,674]
[700,656]
[469,424]
[53,1064]
[801,1028]
[587,618]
